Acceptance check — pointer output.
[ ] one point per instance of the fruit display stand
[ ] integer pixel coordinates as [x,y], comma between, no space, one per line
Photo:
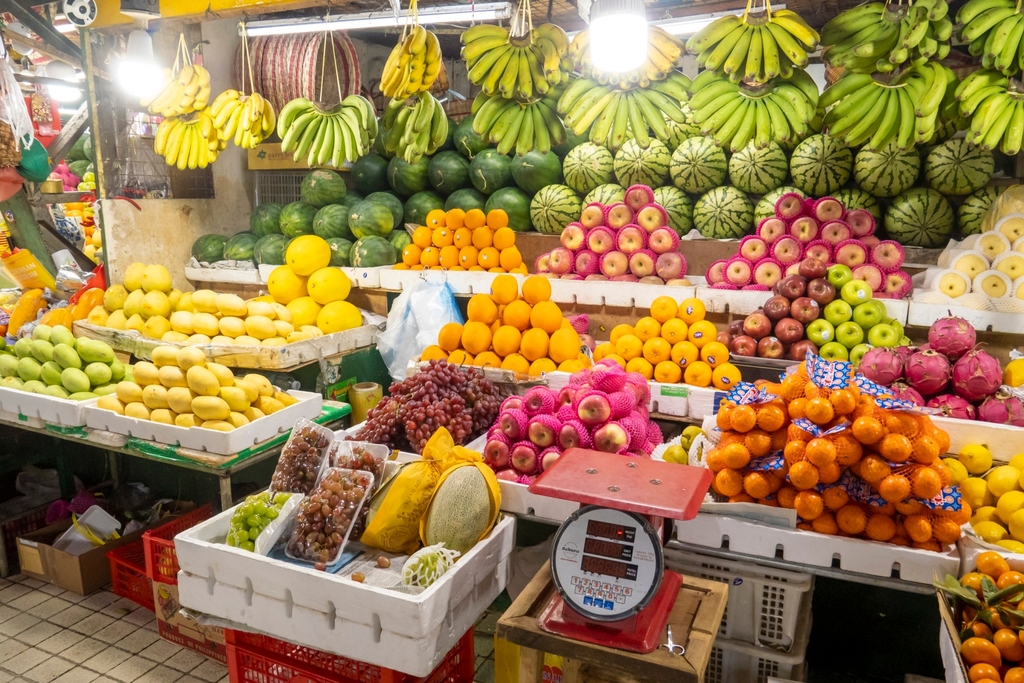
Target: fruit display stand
[923,315]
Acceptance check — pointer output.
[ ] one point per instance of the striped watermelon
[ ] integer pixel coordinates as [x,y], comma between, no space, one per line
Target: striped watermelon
[758,170]
[635,165]
[888,171]
[920,217]
[724,213]
[972,212]
[698,165]
[554,207]
[606,194]
[678,206]
[677,132]
[766,207]
[852,198]
[820,165]
[957,167]
[586,166]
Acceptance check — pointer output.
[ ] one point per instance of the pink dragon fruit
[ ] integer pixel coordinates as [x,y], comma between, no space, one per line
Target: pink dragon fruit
[881,365]
[1002,408]
[952,405]
[927,371]
[902,391]
[952,337]
[977,375]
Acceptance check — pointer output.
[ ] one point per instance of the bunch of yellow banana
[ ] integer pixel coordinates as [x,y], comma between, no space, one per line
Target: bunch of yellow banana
[187,92]
[877,36]
[523,69]
[249,119]
[663,51]
[509,124]
[412,66]
[188,141]
[994,29]
[412,131]
[607,111]
[735,115]
[343,133]
[997,114]
[907,109]
[754,48]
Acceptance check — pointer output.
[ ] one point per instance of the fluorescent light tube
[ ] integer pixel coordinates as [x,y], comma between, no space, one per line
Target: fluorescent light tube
[685,27]
[452,14]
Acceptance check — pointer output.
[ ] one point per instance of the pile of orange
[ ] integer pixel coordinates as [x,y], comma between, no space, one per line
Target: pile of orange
[673,344]
[995,651]
[522,332]
[893,457]
[464,240]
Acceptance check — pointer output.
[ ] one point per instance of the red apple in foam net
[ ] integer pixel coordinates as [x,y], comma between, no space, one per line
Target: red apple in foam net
[771,229]
[788,330]
[798,351]
[638,196]
[670,266]
[789,206]
[869,274]
[828,209]
[804,229]
[770,347]
[614,264]
[738,272]
[573,237]
[851,253]
[678,282]
[651,280]
[819,249]
[786,250]
[663,240]
[524,458]
[618,215]
[549,458]
[743,345]
[561,260]
[767,272]
[594,409]
[897,284]
[716,272]
[611,438]
[507,475]
[631,239]
[651,217]
[805,309]
[641,263]
[888,255]
[821,290]
[496,454]
[835,232]
[542,264]
[776,308]
[626,277]
[757,325]
[812,268]
[870,241]
[570,276]
[592,215]
[861,222]
[586,263]
[792,286]
[596,277]
[753,248]
[600,240]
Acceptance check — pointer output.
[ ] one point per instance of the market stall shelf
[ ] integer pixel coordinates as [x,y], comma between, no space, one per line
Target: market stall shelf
[923,315]
[361,277]
[1004,441]
[740,302]
[226,276]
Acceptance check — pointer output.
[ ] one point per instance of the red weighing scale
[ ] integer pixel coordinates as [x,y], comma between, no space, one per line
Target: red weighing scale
[607,561]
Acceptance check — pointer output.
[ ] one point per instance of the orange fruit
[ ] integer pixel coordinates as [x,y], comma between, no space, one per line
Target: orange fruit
[945,530]
[868,430]
[819,411]
[666,372]
[617,359]
[874,469]
[843,401]
[443,237]
[701,332]
[536,289]
[1010,578]
[691,310]
[476,337]
[434,352]
[925,449]
[460,357]
[993,564]
[482,238]
[487,359]
[463,237]
[455,218]
[926,483]
[848,450]
[504,237]
[895,448]
[475,218]
[542,366]
[564,345]
[756,485]
[510,258]
[684,353]
[830,473]
[735,455]
[1014,675]
[418,266]
[488,257]
[506,340]
[698,373]
[825,523]
[808,505]
[794,451]
[516,363]
[468,256]
[982,671]
[547,316]
[835,497]
[495,326]
[743,418]
[421,236]
[449,256]
[674,330]
[657,350]
[570,366]
[880,528]
[534,344]
[714,353]
[504,289]
[430,256]
[482,309]
[728,482]
[786,497]
[402,266]
[758,442]
[903,423]
[663,309]
[979,650]
[619,331]
[602,350]
[820,452]
[496,218]
[918,528]
[640,365]
[894,487]
[517,314]
[803,475]
[411,255]
[435,218]
[726,376]
[770,417]
[851,520]
[723,418]
[450,337]
[647,328]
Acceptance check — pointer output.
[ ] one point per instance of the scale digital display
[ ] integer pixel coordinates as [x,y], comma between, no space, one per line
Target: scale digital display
[602,565]
[616,532]
[616,551]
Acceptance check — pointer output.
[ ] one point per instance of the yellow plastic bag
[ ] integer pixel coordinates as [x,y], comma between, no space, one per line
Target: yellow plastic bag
[455,459]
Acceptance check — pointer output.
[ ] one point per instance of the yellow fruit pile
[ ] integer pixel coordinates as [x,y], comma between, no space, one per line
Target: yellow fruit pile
[181,388]
[464,240]
[523,333]
[143,303]
[673,344]
[994,493]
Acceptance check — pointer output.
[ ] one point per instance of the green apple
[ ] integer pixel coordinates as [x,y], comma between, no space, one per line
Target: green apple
[839,275]
[838,312]
[849,334]
[883,335]
[869,313]
[856,292]
[905,341]
[834,351]
[820,332]
[896,325]
[857,352]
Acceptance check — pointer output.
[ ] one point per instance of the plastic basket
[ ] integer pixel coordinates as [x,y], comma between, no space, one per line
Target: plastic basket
[128,574]
[764,603]
[161,560]
[18,525]
[255,658]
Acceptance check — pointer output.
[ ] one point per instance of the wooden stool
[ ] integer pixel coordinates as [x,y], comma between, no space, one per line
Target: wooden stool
[695,620]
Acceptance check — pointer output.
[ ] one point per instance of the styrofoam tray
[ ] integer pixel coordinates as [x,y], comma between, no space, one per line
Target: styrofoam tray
[742,302]
[703,401]
[410,633]
[923,315]
[1003,440]
[49,409]
[225,276]
[820,550]
[199,439]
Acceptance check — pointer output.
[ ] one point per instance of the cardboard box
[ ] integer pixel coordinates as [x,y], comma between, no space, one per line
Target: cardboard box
[183,630]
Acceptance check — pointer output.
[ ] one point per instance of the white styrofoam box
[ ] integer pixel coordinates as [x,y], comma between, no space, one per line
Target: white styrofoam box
[819,550]
[1003,440]
[924,315]
[670,399]
[225,276]
[517,499]
[951,661]
[21,419]
[971,546]
[199,439]
[608,293]
[703,401]
[50,409]
[764,603]
[410,633]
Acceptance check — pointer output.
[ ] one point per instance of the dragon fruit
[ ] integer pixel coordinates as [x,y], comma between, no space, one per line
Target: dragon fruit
[902,391]
[976,375]
[953,406]
[1002,408]
[928,372]
[881,365]
[952,337]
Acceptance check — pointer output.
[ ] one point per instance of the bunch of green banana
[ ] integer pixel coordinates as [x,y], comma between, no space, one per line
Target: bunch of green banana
[410,131]
[343,133]
[413,65]
[754,48]
[663,51]
[994,30]
[879,37]
[607,112]
[188,141]
[996,114]
[780,111]
[525,127]
[523,69]
[249,119]
[187,92]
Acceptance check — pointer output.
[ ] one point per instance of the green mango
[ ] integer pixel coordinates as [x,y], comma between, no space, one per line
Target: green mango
[104,389]
[29,369]
[42,332]
[11,383]
[51,373]
[42,350]
[74,380]
[61,335]
[23,347]
[98,373]
[8,366]
[116,371]
[35,386]
[82,396]
[93,351]
[66,356]
[55,391]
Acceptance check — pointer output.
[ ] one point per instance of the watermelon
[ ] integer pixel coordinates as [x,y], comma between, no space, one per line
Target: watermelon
[852,198]
[606,194]
[766,207]
[698,165]
[554,207]
[447,172]
[724,213]
[400,239]
[370,218]
[468,143]
[572,141]
[535,170]
[265,219]
[370,173]
[407,179]
[332,221]
[87,148]
[209,248]
[80,167]
[635,165]
[677,132]
[418,206]
[240,247]
[820,165]
[378,142]
[758,170]
[77,151]
[588,165]
[888,171]
[920,217]
[393,203]
[373,251]
[490,171]
[467,198]
[341,252]
[971,215]
[270,249]
[957,167]
[297,219]
[678,206]
[515,203]
[322,187]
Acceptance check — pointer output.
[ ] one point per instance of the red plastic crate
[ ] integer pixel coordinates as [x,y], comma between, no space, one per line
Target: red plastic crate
[128,574]
[161,559]
[254,658]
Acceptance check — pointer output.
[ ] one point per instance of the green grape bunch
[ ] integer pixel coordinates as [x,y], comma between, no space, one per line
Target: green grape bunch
[252,517]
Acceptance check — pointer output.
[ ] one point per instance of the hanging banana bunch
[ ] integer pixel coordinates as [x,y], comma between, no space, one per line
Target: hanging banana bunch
[188,89]
[995,106]
[521,66]
[414,63]
[754,47]
[509,125]
[995,32]
[188,141]
[342,133]
[412,131]
[248,119]
[663,51]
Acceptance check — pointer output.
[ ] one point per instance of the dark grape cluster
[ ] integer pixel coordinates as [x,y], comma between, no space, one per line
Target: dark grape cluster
[325,515]
[439,395]
[300,460]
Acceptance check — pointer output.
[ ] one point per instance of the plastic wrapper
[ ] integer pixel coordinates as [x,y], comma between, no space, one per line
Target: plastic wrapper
[12,107]
[416,318]
[327,516]
[427,565]
[302,458]
[268,515]
[359,455]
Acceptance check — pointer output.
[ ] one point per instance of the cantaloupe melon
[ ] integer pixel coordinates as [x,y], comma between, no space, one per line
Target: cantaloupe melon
[460,512]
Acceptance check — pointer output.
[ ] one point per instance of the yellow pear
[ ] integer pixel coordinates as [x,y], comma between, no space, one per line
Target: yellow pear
[133,303]
[135,323]
[204,301]
[114,297]
[133,276]
[156,278]
[156,327]
[176,337]
[117,320]
[155,303]
[184,302]
[97,316]
[181,321]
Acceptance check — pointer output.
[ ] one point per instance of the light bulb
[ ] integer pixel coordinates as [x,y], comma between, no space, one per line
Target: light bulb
[618,35]
[137,72]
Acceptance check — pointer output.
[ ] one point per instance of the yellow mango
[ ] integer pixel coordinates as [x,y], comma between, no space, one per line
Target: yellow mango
[231,305]
[110,402]
[172,376]
[210,408]
[251,389]
[98,316]
[285,399]
[312,330]
[165,355]
[223,374]
[282,312]
[262,383]
[254,307]
[156,327]
[230,326]
[283,328]
[246,340]
[181,321]
[189,357]
[205,323]
[273,341]
[202,381]
[116,320]
[221,339]
[176,337]
[128,392]
[235,398]
[137,411]
[198,340]
[253,414]
[179,399]
[204,301]
[217,425]
[268,405]
[297,336]
[154,396]
[187,420]
[237,419]
[135,322]
[145,373]
[184,303]
[163,416]
[260,327]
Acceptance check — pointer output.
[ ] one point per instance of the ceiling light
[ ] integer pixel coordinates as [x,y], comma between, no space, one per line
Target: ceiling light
[66,28]
[618,35]
[452,14]
[138,72]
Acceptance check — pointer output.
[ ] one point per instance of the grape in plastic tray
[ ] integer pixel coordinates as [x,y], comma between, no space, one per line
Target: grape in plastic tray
[302,458]
[359,455]
[338,496]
